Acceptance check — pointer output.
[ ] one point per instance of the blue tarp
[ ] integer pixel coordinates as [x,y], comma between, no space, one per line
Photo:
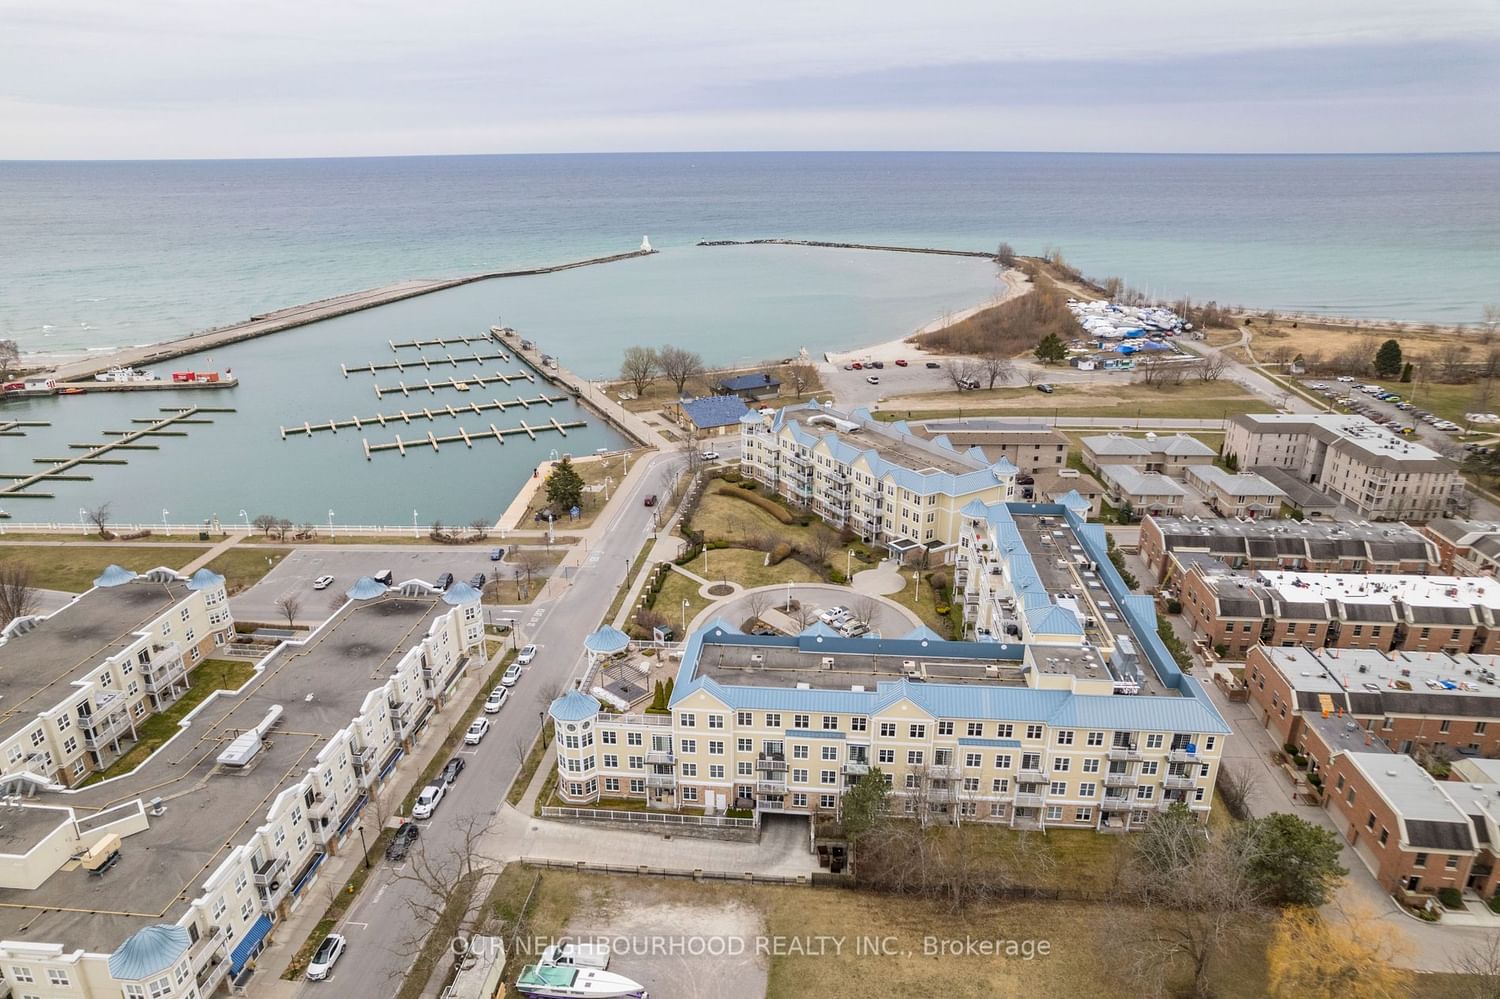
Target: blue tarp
[249,945]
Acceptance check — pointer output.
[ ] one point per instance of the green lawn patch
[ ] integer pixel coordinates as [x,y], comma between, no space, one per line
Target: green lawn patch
[242,568]
[207,677]
[74,567]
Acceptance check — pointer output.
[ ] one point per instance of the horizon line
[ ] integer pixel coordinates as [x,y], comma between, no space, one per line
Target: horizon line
[751,152]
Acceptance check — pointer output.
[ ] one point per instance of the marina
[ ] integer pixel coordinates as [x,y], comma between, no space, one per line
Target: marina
[467,439]
[433,413]
[458,384]
[18,428]
[423,362]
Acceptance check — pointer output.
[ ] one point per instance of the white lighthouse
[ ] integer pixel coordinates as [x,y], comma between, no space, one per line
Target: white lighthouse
[646,245]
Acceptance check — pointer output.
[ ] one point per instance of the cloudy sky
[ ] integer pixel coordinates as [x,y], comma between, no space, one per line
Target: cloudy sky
[210,78]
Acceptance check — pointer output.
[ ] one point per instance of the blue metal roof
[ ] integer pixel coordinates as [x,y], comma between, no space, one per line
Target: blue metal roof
[607,640]
[246,948]
[149,951]
[205,579]
[574,706]
[922,634]
[460,593]
[1053,620]
[714,410]
[364,588]
[114,576]
[740,383]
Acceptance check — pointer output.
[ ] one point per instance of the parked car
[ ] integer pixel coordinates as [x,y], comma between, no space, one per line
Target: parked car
[512,675]
[1346,379]
[322,582]
[385,577]
[428,801]
[401,843]
[650,500]
[1044,387]
[710,456]
[476,731]
[1316,385]
[856,366]
[900,362]
[872,379]
[325,957]
[477,580]
[496,554]
[848,367]
[876,364]
[451,771]
[833,615]
[933,364]
[854,629]
[526,655]
[443,581]
[496,700]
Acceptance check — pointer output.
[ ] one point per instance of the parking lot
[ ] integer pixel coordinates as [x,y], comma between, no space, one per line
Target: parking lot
[1394,411]
[295,575]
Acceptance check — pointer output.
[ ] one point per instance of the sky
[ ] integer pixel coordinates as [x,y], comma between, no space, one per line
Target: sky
[105,79]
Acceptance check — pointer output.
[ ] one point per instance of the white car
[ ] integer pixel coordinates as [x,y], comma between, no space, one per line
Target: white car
[527,654]
[428,800]
[1316,385]
[476,731]
[833,615]
[1347,379]
[512,675]
[496,700]
[325,957]
[710,456]
[873,379]
[322,582]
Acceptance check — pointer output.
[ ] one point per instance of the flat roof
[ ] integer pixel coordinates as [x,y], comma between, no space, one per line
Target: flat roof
[320,688]
[871,661]
[1411,682]
[1412,791]
[1383,588]
[38,668]
[1375,442]
[1303,495]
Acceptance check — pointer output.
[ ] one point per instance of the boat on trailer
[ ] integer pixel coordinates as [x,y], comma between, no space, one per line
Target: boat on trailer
[546,981]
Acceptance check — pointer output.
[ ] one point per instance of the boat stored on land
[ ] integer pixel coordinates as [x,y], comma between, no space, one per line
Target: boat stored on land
[545,981]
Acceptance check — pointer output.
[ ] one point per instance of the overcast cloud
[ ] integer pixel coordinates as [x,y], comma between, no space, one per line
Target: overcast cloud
[208,78]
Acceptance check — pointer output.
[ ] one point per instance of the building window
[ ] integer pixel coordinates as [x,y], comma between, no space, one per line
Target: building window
[917,732]
[1065,738]
[886,756]
[1096,739]
[1004,731]
[830,752]
[1420,860]
[976,729]
[1054,813]
[715,721]
[888,730]
[773,719]
[687,720]
[690,794]
[914,757]
[1002,761]
[799,752]
[830,723]
[744,719]
[1000,785]
[1033,731]
[801,721]
[858,723]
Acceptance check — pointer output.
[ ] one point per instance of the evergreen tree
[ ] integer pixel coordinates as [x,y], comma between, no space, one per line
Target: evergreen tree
[564,486]
[864,804]
[1292,861]
[1051,350]
[1388,359]
[1406,372]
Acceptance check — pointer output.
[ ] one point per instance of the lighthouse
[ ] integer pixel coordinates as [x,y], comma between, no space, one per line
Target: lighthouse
[646,245]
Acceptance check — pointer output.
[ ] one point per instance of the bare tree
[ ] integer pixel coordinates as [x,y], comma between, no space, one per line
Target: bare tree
[1211,368]
[290,606]
[480,528]
[10,357]
[1281,355]
[17,595]
[441,883]
[640,368]
[283,527]
[996,367]
[1031,374]
[679,365]
[265,523]
[1112,287]
[1235,782]
[527,564]
[1490,366]
[1005,256]
[963,372]
[1479,966]
[1491,313]
[757,602]
[99,517]
[1454,358]
[864,609]
[799,376]
[821,543]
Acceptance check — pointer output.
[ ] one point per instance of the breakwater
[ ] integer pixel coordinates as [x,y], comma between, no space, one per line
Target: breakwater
[982,254]
[300,315]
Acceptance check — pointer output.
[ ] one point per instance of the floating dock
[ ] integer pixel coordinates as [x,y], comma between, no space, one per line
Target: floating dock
[423,362]
[467,439]
[426,413]
[461,384]
[438,342]
[155,385]
[18,428]
[98,454]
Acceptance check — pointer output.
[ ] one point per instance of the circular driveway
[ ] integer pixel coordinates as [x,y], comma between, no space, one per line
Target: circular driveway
[887,618]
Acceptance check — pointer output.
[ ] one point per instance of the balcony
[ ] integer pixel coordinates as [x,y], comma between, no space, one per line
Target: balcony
[770,804]
[210,961]
[661,758]
[1030,775]
[103,733]
[945,771]
[1129,754]
[268,871]
[1029,800]
[1116,804]
[666,781]
[771,763]
[1182,756]
[1180,781]
[856,768]
[1121,780]
[770,787]
[364,759]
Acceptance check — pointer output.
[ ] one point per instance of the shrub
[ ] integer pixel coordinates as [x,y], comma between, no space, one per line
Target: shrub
[1316,780]
[1221,650]
[749,484]
[1291,749]
[1429,915]
[942,610]
[1174,606]
[1495,903]
[939,581]
[1451,898]
[716,545]
[772,507]
[837,577]
[780,554]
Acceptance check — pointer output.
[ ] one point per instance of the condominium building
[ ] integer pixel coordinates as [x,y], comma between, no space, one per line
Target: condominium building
[1236,494]
[1031,447]
[76,684]
[1163,454]
[1079,718]
[1466,547]
[1148,493]
[1286,544]
[166,882]
[1341,610]
[880,480]
[1366,467]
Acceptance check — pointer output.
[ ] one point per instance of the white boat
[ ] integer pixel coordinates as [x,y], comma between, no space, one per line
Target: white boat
[545,981]
[125,375]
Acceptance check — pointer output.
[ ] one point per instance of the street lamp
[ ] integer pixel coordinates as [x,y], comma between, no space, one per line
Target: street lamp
[246,516]
[83,516]
[363,849]
[849,566]
[788,598]
[916,577]
[330,523]
[164,520]
[414,524]
[684,618]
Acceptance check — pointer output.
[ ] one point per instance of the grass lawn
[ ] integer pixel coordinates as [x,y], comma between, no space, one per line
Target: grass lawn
[207,677]
[242,568]
[1448,401]
[727,518]
[746,567]
[661,392]
[508,590]
[676,588]
[75,567]
[1126,400]
[924,604]
[593,471]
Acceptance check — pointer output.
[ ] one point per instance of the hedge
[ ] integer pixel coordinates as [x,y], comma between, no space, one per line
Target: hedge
[772,507]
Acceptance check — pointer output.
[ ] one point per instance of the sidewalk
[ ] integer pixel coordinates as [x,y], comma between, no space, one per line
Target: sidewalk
[213,553]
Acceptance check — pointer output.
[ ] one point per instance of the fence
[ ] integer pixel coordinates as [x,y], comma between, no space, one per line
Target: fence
[749,877]
[647,818]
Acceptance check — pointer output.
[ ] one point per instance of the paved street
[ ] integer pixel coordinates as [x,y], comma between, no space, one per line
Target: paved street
[379,923]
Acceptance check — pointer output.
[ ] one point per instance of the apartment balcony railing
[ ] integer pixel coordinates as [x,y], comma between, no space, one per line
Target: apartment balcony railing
[1182,756]
[770,787]
[856,768]
[944,770]
[1029,800]
[1124,753]
[1179,781]
[661,780]
[268,871]
[771,763]
[1117,804]
[1030,775]
[661,758]
[1121,780]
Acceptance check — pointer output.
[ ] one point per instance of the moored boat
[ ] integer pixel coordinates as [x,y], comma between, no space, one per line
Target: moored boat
[545,981]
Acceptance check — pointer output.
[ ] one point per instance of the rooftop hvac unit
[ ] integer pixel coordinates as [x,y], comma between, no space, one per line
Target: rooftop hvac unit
[992,671]
[828,662]
[757,659]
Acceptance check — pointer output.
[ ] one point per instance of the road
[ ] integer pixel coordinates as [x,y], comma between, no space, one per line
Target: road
[378,925]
